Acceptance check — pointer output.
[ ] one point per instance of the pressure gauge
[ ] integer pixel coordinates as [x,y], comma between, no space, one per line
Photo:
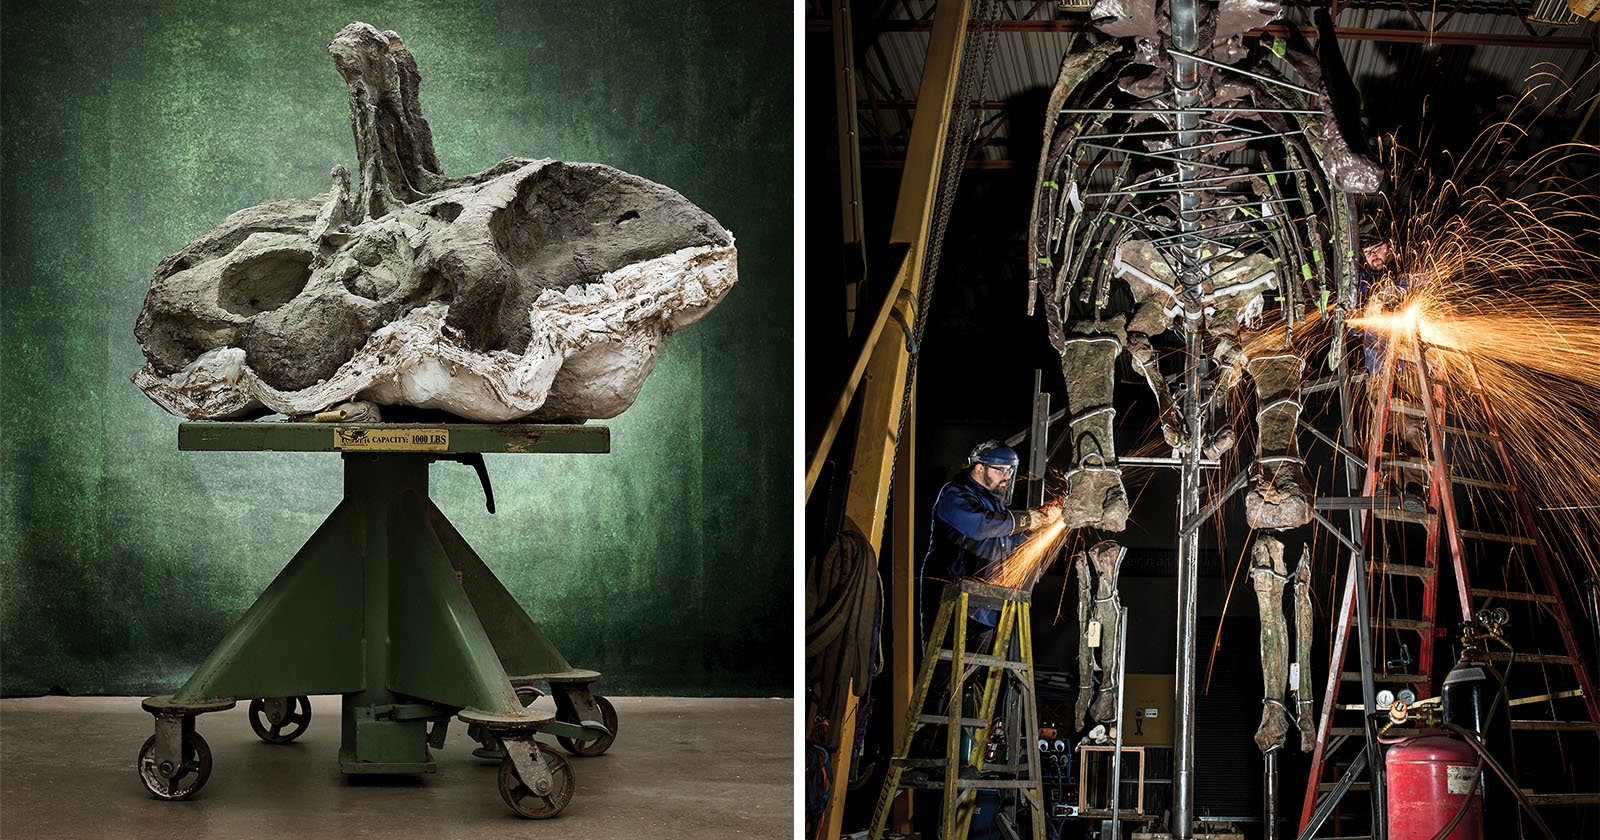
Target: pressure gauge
[1385,698]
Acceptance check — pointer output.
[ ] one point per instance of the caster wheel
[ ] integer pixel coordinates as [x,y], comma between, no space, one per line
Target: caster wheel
[533,805]
[192,773]
[488,743]
[608,716]
[280,719]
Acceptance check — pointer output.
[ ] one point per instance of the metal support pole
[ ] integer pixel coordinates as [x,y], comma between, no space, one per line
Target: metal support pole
[378,478]
[1269,804]
[1038,443]
[1185,77]
[1188,584]
[1116,755]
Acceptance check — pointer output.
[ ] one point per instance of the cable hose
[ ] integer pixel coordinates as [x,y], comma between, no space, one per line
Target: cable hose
[841,626]
[1505,679]
[1505,777]
[819,788]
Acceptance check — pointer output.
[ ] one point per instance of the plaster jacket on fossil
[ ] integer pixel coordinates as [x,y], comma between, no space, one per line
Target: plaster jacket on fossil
[536,289]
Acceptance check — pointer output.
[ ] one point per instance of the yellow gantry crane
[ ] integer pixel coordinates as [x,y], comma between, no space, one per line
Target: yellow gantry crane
[878,378]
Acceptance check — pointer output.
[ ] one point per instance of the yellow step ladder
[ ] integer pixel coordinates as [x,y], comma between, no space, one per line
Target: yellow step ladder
[1014,668]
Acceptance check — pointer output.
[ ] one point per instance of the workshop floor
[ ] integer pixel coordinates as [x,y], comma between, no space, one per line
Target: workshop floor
[681,767]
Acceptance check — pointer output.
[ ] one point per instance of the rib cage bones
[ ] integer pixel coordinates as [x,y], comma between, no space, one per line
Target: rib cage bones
[1199,206]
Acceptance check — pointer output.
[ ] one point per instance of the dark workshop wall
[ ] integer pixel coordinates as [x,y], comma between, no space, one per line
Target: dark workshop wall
[132,128]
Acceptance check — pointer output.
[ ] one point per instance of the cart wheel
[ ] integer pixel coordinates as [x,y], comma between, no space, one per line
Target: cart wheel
[295,717]
[608,716]
[192,773]
[489,746]
[525,801]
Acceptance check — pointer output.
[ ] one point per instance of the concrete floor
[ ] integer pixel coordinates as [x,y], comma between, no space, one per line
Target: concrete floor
[709,769]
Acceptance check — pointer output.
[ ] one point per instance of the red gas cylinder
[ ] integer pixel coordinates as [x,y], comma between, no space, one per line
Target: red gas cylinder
[1429,779]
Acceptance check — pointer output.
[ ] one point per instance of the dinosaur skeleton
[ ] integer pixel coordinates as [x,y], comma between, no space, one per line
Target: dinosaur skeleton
[1189,179]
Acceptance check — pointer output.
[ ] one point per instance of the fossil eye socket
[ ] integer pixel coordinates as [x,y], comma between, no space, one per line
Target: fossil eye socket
[263,282]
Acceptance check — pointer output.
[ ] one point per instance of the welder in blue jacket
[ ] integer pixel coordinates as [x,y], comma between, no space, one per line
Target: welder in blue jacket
[974,529]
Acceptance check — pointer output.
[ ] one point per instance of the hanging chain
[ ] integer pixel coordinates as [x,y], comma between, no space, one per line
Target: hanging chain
[978,52]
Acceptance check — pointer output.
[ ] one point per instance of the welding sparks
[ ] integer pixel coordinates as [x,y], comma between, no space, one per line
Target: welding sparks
[1023,568]
[1496,267]
[1402,324]
[1498,276]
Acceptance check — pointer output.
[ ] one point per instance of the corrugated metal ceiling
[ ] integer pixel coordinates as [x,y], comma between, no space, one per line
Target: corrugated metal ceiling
[1025,63]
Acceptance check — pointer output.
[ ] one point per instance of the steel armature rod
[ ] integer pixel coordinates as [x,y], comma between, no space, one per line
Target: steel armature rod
[1185,77]
[1188,586]
[1269,801]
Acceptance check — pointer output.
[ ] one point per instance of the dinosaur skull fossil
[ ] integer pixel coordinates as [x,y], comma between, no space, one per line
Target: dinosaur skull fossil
[534,289]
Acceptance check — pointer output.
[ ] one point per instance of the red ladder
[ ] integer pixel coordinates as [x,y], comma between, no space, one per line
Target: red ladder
[1441,508]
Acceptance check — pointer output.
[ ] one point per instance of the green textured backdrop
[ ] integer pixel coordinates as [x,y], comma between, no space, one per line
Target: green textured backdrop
[131,128]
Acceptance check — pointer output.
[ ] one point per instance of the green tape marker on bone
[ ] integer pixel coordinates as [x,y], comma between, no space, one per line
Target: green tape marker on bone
[1280,47]
[1324,299]
[1305,271]
[1272,179]
[1045,261]
[1052,185]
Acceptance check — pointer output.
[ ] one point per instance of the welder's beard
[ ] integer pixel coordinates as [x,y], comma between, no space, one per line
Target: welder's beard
[996,482]
[991,480]
[1377,257]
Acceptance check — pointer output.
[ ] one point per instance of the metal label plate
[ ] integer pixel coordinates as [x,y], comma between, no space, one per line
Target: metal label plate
[1459,778]
[358,439]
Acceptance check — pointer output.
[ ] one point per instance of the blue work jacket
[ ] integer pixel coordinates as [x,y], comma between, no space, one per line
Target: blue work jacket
[972,530]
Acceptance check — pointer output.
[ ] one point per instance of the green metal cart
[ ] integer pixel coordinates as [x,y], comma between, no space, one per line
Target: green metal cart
[387,605]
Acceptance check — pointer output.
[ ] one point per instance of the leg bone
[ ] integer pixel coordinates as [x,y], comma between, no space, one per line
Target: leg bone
[1085,653]
[1302,643]
[1106,557]
[1267,577]
[1095,495]
[1278,497]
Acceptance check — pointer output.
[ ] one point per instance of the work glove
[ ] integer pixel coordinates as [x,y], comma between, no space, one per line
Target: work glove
[1033,520]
